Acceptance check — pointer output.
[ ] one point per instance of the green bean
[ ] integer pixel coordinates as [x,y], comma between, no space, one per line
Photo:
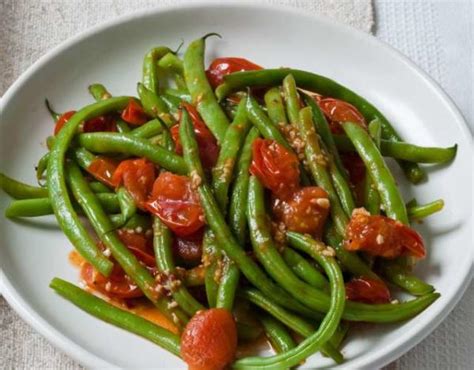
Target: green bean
[275,107]
[228,285]
[303,269]
[194,276]
[339,336]
[162,243]
[212,257]
[419,212]
[324,86]
[149,129]
[98,187]
[65,214]
[113,315]
[238,201]
[379,172]
[201,92]
[150,67]
[399,276]
[83,157]
[173,104]
[125,258]
[375,131]
[127,204]
[173,64]
[108,142]
[99,92]
[317,165]
[371,194]
[138,222]
[54,115]
[41,168]
[404,151]
[180,94]
[292,99]
[154,106]
[19,190]
[277,334]
[411,203]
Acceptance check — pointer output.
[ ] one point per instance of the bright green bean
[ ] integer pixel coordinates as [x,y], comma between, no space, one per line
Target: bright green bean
[150,67]
[277,334]
[275,107]
[292,99]
[399,276]
[99,92]
[127,204]
[149,129]
[303,269]
[20,190]
[419,212]
[154,106]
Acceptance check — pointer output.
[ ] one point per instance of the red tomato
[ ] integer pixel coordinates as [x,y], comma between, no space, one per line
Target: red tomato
[137,175]
[134,113]
[189,249]
[367,290]
[354,166]
[103,168]
[382,236]
[338,111]
[100,124]
[304,212]
[209,340]
[134,240]
[208,148]
[221,67]
[275,166]
[176,203]
[63,118]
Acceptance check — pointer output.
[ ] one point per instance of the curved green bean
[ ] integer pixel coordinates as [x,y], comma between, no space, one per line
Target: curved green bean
[99,92]
[275,108]
[20,190]
[292,99]
[303,269]
[399,276]
[41,168]
[154,106]
[277,334]
[149,129]
[419,212]
[150,67]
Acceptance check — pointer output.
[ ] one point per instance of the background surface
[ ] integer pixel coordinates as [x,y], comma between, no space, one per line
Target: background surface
[436,35]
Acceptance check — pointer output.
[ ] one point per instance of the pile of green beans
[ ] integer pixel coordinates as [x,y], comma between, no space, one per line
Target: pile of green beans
[295,286]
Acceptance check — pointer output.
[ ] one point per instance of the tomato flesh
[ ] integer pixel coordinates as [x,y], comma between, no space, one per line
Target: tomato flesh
[338,111]
[137,175]
[100,124]
[275,166]
[176,203]
[209,340]
[103,169]
[221,67]
[61,121]
[134,113]
[367,290]
[189,249]
[382,236]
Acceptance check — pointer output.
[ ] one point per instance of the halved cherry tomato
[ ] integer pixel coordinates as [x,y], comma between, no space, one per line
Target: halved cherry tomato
[209,340]
[221,67]
[354,166]
[134,113]
[208,148]
[367,290]
[100,124]
[382,236]
[176,203]
[135,240]
[305,211]
[103,168]
[189,249]
[63,118]
[275,166]
[137,175]
[338,111]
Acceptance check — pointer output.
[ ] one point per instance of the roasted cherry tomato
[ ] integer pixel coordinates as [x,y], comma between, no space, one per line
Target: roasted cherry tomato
[338,111]
[63,118]
[354,166]
[367,290]
[100,124]
[137,175]
[176,203]
[189,249]
[305,211]
[208,148]
[275,166]
[140,245]
[209,340]
[103,168]
[382,236]
[221,67]
[134,113]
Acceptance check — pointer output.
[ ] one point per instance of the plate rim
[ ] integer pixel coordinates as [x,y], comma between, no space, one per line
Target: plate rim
[84,357]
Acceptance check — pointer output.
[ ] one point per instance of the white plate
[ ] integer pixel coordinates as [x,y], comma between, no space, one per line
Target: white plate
[112,54]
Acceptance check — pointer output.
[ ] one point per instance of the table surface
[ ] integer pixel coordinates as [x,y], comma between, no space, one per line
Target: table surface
[436,35]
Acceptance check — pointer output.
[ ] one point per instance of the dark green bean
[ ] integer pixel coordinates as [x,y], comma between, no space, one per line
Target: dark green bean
[303,269]
[150,67]
[154,106]
[371,194]
[98,187]
[277,334]
[292,99]
[419,212]
[138,222]
[275,107]
[113,315]
[20,190]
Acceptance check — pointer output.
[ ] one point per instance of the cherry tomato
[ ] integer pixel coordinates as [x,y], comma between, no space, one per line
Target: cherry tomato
[100,124]
[354,166]
[140,245]
[63,118]
[103,168]
[367,290]
[208,148]
[275,166]
[189,249]
[209,340]
[338,111]
[382,236]
[221,67]
[137,175]
[176,203]
[134,113]
[305,211]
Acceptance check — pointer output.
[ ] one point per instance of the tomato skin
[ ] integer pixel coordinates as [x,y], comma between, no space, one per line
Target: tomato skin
[367,290]
[103,168]
[100,124]
[207,143]
[301,211]
[209,340]
[275,166]
[176,203]
[134,113]
[63,118]
[338,111]
[382,236]
[189,249]
[138,176]
[221,67]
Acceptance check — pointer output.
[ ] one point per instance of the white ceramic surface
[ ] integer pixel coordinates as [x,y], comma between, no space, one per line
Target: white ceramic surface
[32,252]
